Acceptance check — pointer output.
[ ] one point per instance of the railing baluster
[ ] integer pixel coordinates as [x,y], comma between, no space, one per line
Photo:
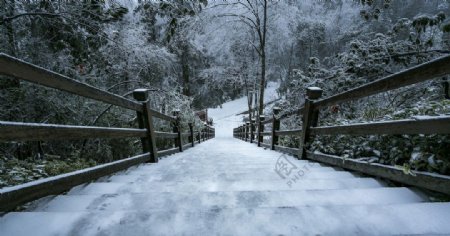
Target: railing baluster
[146,122]
[310,117]
[275,126]
[177,129]
[260,130]
[247,129]
[252,130]
[191,136]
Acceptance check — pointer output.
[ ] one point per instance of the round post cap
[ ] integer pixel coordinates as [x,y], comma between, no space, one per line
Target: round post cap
[314,92]
[276,110]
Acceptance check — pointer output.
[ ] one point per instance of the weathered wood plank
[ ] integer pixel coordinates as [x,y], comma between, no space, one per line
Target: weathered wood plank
[160,134]
[19,69]
[435,182]
[288,150]
[267,121]
[288,132]
[420,73]
[282,149]
[16,131]
[267,133]
[428,125]
[11,197]
[167,152]
[265,145]
[160,115]
[431,181]
[171,151]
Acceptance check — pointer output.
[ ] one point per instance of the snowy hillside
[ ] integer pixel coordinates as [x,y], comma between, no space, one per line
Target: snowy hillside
[225,118]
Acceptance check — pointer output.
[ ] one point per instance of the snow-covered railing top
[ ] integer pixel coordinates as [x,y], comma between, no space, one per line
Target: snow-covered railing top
[310,116]
[25,71]
[19,131]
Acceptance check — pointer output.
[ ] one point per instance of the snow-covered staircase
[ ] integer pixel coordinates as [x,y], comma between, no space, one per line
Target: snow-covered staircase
[228,187]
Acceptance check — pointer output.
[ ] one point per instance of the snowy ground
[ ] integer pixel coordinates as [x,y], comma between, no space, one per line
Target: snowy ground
[225,118]
[225,186]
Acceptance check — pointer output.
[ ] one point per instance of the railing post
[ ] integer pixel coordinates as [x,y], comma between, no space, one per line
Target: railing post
[252,130]
[199,136]
[204,132]
[241,132]
[247,131]
[260,130]
[177,129]
[310,118]
[191,135]
[275,127]
[146,122]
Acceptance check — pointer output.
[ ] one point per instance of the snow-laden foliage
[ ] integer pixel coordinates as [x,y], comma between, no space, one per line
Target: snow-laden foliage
[118,46]
[379,47]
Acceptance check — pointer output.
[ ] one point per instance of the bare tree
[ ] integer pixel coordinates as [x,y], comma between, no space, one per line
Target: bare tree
[254,16]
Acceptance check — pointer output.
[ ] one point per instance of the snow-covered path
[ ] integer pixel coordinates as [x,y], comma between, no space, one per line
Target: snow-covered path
[229,187]
[225,186]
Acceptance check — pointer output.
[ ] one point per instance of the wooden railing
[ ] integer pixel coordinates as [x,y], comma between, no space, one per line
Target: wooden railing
[254,131]
[10,197]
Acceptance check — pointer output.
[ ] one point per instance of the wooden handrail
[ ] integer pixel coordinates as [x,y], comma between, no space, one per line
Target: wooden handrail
[431,181]
[429,125]
[288,132]
[420,73]
[160,115]
[16,131]
[19,69]
[166,135]
[417,125]
[10,197]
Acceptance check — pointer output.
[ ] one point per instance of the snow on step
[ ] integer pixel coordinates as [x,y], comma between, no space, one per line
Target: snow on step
[240,199]
[415,218]
[224,176]
[214,186]
[155,168]
[149,175]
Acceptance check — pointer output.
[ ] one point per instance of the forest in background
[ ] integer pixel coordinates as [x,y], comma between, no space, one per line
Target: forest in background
[198,54]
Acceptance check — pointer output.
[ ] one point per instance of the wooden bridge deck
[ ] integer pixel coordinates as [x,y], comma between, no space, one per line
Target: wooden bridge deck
[226,186]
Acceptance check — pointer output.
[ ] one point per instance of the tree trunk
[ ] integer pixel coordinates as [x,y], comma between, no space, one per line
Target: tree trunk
[13,82]
[10,29]
[185,70]
[263,60]
[262,83]
[249,98]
